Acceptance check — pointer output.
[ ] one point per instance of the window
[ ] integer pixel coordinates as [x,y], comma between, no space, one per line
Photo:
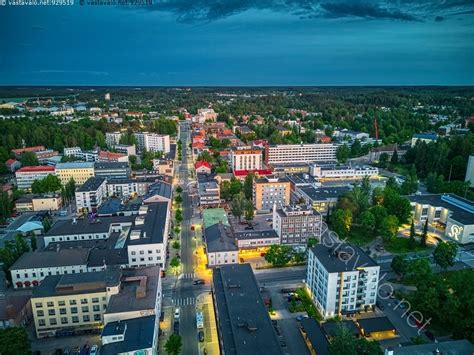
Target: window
[86,318]
[84,301]
[95,300]
[39,305]
[63,320]
[41,322]
[40,313]
[96,308]
[72,302]
[85,309]
[133,253]
[97,317]
[53,321]
[73,310]
[61,303]
[51,312]
[62,311]
[75,319]
[50,304]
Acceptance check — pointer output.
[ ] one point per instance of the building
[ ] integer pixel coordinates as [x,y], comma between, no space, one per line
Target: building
[79,171]
[46,202]
[72,151]
[258,240]
[32,267]
[91,194]
[12,165]
[44,155]
[209,193]
[243,323]
[152,142]
[377,328]
[295,224]
[246,159]
[388,150]
[314,337]
[454,213]
[205,114]
[221,248]
[131,336]
[112,170]
[163,167]
[125,149]
[126,188]
[321,198]
[423,137]
[19,151]
[112,138]
[470,172]
[27,175]
[158,192]
[341,278]
[455,347]
[350,135]
[333,171]
[270,190]
[202,167]
[105,156]
[299,153]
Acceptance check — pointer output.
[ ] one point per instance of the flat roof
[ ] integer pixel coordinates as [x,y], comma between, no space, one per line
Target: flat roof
[42,259]
[256,234]
[34,169]
[330,328]
[75,165]
[377,324]
[219,237]
[212,216]
[153,226]
[341,256]
[91,184]
[86,225]
[244,326]
[110,165]
[301,179]
[459,207]
[452,347]
[323,193]
[99,257]
[138,335]
[315,336]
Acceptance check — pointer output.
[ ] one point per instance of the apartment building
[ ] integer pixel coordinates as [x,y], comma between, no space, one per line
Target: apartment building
[333,171]
[295,224]
[153,142]
[271,190]
[163,167]
[221,248]
[126,187]
[299,153]
[112,138]
[79,171]
[246,159]
[27,175]
[91,194]
[205,114]
[112,170]
[321,198]
[209,194]
[125,149]
[72,151]
[32,267]
[341,278]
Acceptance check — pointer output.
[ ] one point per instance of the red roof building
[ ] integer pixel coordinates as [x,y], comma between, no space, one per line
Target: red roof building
[105,156]
[36,169]
[202,166]
[20,151]
[243,173]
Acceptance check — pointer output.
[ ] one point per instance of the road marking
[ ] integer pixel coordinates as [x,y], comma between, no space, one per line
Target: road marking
[188,301]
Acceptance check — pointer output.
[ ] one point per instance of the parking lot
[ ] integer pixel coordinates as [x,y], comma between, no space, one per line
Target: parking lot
[50,345]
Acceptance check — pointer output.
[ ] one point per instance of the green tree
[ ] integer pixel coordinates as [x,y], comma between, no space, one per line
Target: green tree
[445,254]
[424,235]
[418,268]
[342,153]
[237,206]
[367,220]
[248,186]
[249,211]
[29,159]
[179,189]
[411,241]
[175,263]
[279,255]
[399,265]
[394,158]
[174,344]
[178,199]
[14,341]
[312,242]
[383,160]
[389,227]
[225,191]
[176,244]
[341,221]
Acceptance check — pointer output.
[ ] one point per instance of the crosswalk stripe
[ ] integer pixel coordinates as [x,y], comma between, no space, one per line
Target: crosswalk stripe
[184,301]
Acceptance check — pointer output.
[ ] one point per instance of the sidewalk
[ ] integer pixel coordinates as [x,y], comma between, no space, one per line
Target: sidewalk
[211,340]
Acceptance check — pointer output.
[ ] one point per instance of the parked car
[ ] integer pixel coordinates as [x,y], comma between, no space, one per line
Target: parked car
[201,336]
[176,313]
[176,327]
[301,317]
[199,282]
[76,351]
[94,350]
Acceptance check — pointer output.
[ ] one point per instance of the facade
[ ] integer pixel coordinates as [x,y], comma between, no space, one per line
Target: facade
[470,172]
[105,156]
[126,187]
[423,137]
[342,172]
[72,151]
[32,267]
[27,175]
[205,114]
[91,194]
[163,167]
[221,248]
[295,224]
[112,170]
[153,142]
[209,194]
[256,239]
[321,198]
[341,279]
[246,159]
[12,165]
[454,213]
[46,203]
[112,138]
[79,171]
[202,167]
[269,191]
[299,153]
[126,149]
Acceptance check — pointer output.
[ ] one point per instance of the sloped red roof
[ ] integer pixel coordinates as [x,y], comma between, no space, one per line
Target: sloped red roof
[36,148]
[10,161]
[32,169]
[201,163]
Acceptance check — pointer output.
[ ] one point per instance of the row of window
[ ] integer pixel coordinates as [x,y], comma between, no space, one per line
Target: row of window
[71,302]
[73,310]
[65,320]
[42,274]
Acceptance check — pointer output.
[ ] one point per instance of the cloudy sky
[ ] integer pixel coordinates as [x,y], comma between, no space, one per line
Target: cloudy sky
[240,42]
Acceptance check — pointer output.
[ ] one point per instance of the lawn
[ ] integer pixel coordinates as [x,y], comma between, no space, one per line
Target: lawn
[401,245]
[360,236]
[305,305]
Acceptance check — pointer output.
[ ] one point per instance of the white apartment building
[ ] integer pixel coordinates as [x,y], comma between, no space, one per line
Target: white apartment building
[72,151]
[112,138]
[221,248]
[295,224]
[205,114]
[91,194]
[125,149]
[332,171]
[341,278]
[300,153]
[246,159]
[153,142]
[126,187]
[27,175]
[32,267]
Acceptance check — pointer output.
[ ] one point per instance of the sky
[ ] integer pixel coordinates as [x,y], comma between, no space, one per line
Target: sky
[239,43]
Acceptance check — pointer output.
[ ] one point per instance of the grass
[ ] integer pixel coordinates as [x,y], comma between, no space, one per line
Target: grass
[360,236]
[305,305]
[402,245]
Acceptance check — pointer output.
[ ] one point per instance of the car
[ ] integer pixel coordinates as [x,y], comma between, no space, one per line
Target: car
[269,219]
[242,260]
[263,254]
[301,317]
[199,282]
[176,313]
[94,350]
[248,228]
[201,336]
[76,351]
[176,328]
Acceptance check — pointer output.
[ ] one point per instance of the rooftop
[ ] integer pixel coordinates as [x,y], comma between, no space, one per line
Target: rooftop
[323,193]
[341,257]
[151,226]
[32,169]
[219,237]
[106,165]
[256,234]
[271,179]
[452,347]
[378,324]
[160,188]
[315,335]
[99,257]
[213,216]
[92,184]
[75,165]
[244,325]
[86,225]
[42,259]
[301,179]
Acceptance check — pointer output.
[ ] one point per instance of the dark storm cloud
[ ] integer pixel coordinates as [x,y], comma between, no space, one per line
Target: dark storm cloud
[398,10]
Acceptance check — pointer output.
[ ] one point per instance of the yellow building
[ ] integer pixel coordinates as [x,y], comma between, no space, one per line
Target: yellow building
[270,190]
[47,203]
[79,171]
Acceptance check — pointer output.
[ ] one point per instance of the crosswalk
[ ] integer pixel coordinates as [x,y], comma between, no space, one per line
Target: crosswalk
[183,301]
[190,275]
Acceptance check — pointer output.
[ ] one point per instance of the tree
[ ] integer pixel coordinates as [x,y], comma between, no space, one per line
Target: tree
[445,254]
[29,159]
[389,227]
[399,265]
[418,268]
[383,160]
[237,206]
[225,191]
[174,344]
[424,235]
[176,244]
[175,263]
[279,255]
[411,242]
[394,159]
[342,342]
[341,221]
[248,186]
[342,153]
[14,341]
[367,220]
[178,199]
[249,211]
[312,242]
[179,189]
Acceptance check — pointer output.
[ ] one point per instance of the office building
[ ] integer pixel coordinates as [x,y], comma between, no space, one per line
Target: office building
[153,142]
[299,153]
[112,170]
[91,194]
[246,159]
[321,198]
[341,278]
[333,171]
[295,224]
[79,171]
[243,323]
[270,190]
[27,175]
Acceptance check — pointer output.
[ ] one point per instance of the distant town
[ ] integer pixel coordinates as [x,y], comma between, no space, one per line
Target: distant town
[230,221]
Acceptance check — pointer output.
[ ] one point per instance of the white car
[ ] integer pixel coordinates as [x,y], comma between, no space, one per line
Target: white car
[176,313]
[94,350]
